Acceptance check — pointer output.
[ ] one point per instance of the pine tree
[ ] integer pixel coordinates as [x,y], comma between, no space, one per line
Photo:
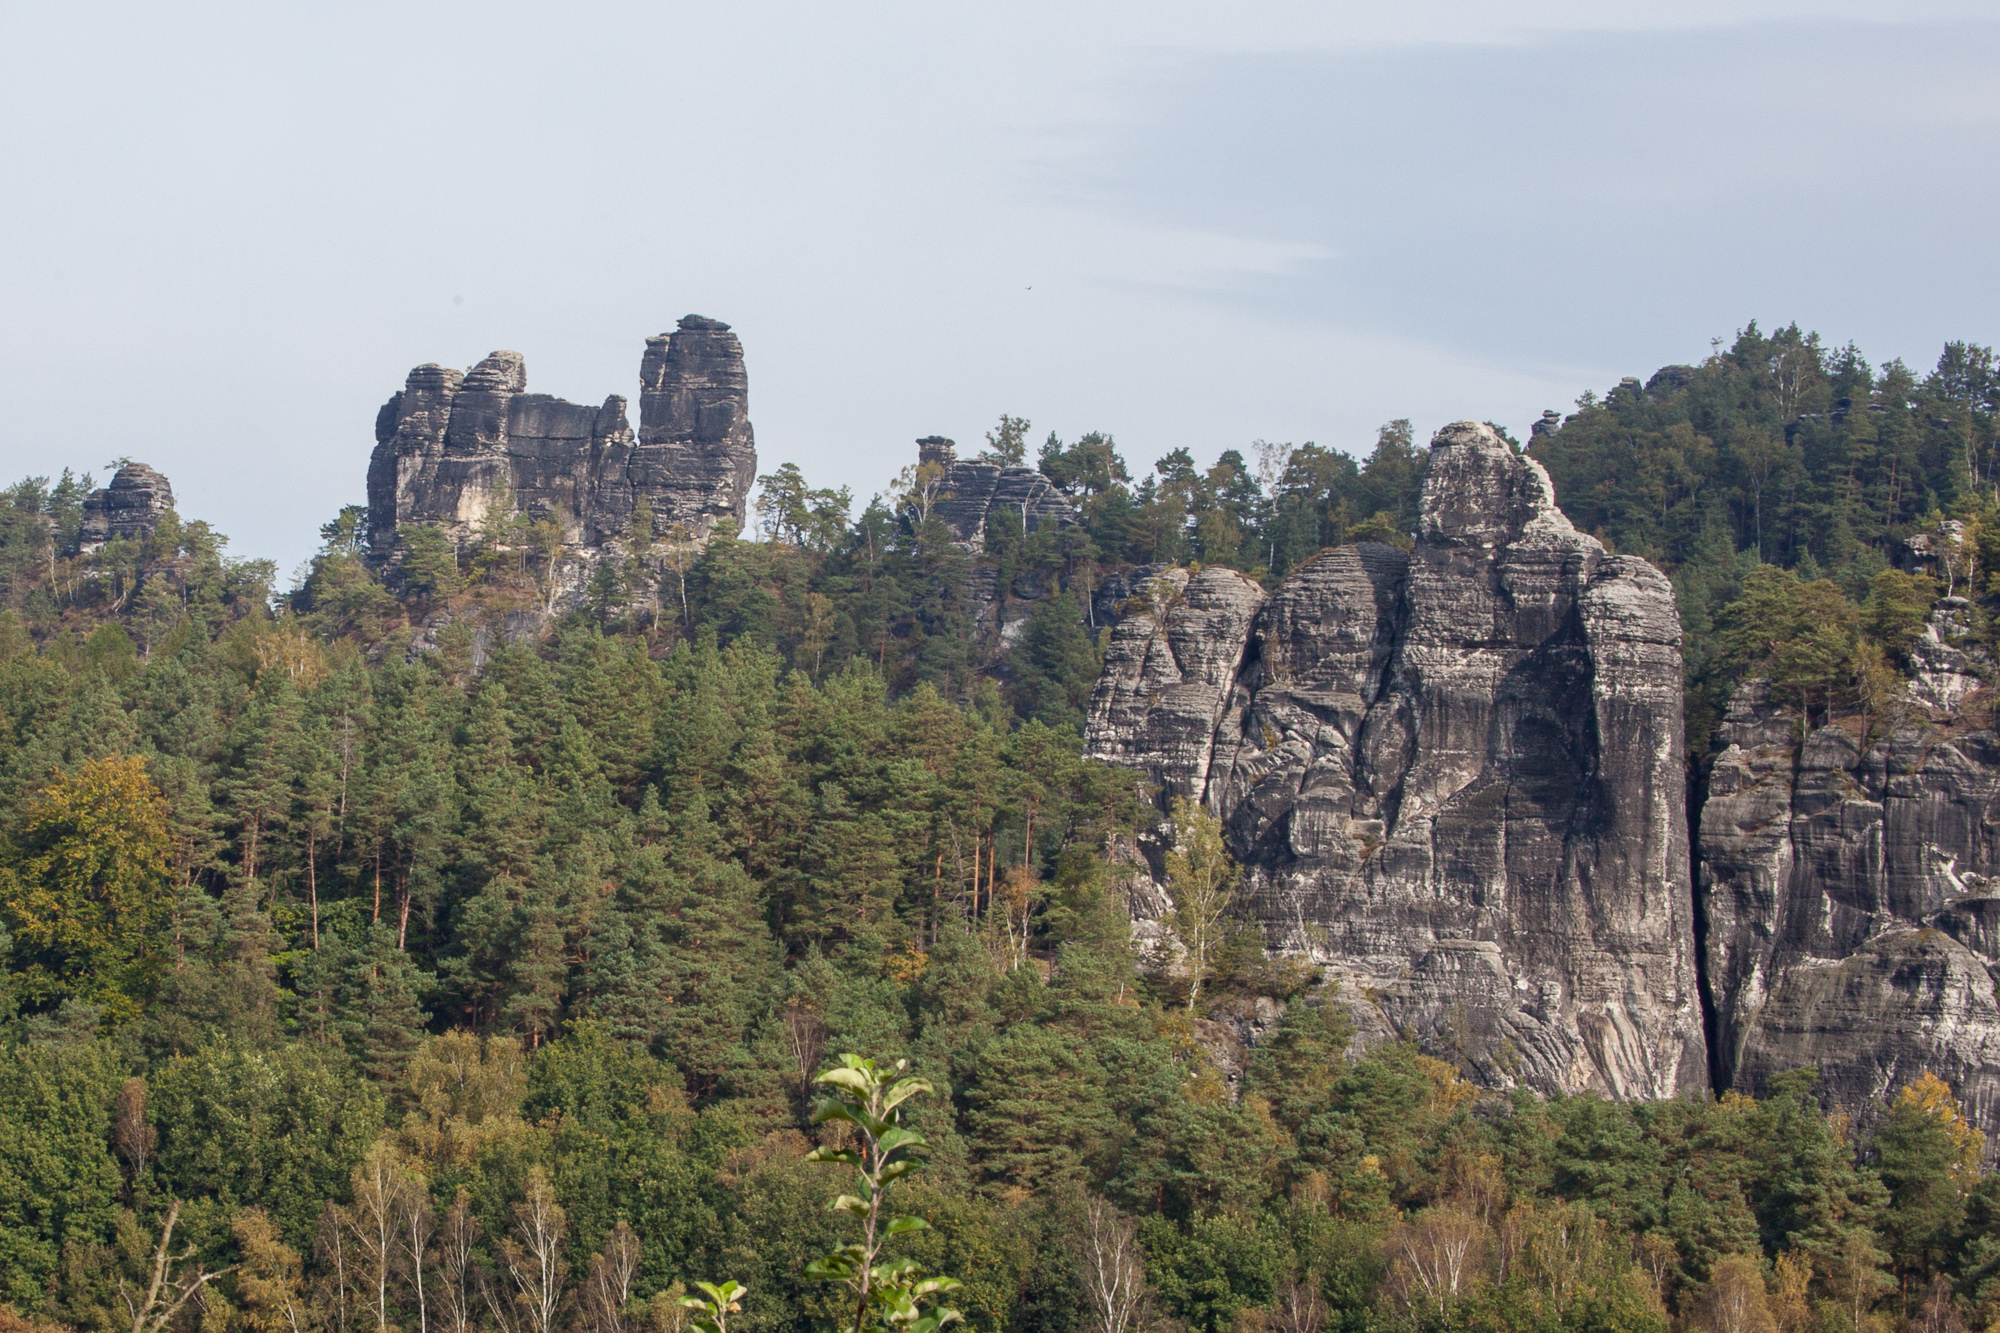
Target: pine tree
[378,1011]
[1036,1108]
[1296,1067]
[1056,664]
[256,793]
[702,964]
[1928,1159]
[503,810]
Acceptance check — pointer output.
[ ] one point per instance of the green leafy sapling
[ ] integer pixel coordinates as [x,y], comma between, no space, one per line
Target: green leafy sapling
[714,1306]
[887,1295]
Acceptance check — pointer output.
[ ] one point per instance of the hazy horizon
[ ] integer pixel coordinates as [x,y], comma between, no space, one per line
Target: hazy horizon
[231,234]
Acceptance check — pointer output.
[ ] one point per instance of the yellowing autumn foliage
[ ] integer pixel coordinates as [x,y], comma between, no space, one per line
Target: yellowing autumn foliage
[87,898]
[1933,1096]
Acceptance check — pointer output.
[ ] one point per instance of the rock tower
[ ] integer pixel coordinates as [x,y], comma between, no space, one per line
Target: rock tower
[1454,776]
[131,506]
[452,448]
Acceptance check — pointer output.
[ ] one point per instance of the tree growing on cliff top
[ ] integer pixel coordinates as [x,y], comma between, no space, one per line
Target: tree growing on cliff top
[1007,443]
[1800,634]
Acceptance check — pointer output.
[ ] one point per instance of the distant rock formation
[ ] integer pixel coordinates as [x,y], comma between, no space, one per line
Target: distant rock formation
[131,506]
[969,493]
[967,496]
[1454,777]
[452,448]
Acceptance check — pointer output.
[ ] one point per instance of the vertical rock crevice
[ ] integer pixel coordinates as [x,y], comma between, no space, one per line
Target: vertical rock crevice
[1849,881]
[1697,798]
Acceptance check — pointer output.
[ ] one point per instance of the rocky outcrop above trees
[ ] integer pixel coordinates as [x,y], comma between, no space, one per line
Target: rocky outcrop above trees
[968,493]
[462,450]
[966,496]
[1453,777]
[130,507]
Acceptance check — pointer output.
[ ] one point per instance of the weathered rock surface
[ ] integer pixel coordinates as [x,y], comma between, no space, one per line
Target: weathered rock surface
[965,496]
[1454,777]
[1853,910]
[131,506]
[970,492]
[1943,674]
[452,448]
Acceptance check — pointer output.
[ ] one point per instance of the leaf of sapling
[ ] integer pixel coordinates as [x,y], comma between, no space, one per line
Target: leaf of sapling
[902,1225]
[832,1109]
[903,1091]
[846,1078]
[898,1137]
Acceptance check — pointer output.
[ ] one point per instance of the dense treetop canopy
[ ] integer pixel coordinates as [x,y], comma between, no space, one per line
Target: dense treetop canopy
[413,970]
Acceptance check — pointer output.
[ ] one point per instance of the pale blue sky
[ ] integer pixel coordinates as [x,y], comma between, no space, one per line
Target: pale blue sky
[226,234]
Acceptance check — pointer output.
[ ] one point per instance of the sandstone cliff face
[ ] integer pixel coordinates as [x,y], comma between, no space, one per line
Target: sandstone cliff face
[131,506]
[452,448]
[1453,777]
[1852,904]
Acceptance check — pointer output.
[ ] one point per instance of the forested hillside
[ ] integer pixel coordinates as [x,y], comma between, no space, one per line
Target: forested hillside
[418,958]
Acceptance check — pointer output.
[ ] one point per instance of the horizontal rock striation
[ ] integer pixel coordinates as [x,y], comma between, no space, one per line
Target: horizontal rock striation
[130,507]
[969,493]
[1454,777]
[1853,909]
[965,496]
[458,449]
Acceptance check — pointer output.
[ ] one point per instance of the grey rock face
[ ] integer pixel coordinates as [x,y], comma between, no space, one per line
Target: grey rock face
[1454,777]
[131,506]
[696,457]
[1943,675]
[970,492]
[451,449]
[964,497]
[1853,910]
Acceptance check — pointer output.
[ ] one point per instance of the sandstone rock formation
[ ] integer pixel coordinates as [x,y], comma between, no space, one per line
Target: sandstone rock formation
[970,492]
[1852,890]
[452,448]
[1943,674]
[964,497]
[1454,777]
[131,506]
